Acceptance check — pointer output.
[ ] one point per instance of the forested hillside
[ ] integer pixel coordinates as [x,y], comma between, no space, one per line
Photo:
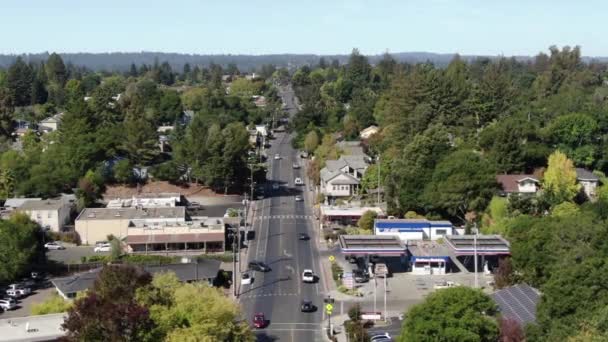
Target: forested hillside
[446,133]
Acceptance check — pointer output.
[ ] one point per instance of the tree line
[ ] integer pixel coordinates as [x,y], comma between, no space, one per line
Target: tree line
[109,126]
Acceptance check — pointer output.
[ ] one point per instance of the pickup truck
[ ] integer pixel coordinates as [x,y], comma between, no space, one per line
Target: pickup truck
[17,291]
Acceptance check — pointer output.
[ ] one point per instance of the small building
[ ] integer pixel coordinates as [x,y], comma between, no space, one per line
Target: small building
[15,203]
[345,216]
[52,214]
[428,257]
[151,200]
[338,184]
[589,182]
[413,229]
[518,184]
[33,328]
[518,303]
[69,287]
[259,101]
[95,224]
[368,132]
[51,123]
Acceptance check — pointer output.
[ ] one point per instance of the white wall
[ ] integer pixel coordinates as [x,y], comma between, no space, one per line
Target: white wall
[527,186]
[589,188]
[424,268]
[54,219]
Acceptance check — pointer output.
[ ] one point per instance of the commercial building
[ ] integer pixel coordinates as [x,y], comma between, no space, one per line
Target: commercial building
[344,216]
[413,229]
[428,257]
[147,201]
[52,214]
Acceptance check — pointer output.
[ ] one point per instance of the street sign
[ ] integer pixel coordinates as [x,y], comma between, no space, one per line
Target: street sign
[332,258]
[329,307]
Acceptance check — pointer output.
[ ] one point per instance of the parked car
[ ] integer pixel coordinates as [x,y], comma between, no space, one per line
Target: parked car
[246,279]
[307,306]
[303,237]
[259,320]
[298,181]
[8,304]
[259,266]
[194,205]
[360,276]
[103,248]
[275,186]
[53,246]
[298,198]
[296,165]
[277,156]
[385,337]
[27,282]
[37,275]
[308,276]
[17,291]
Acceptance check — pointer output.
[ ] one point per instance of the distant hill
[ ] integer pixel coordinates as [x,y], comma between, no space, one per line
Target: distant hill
[121,61]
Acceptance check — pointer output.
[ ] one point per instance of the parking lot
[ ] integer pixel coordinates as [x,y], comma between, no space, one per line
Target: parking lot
[24,305]
[72,254]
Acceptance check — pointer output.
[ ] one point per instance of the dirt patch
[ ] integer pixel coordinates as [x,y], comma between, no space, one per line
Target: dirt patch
[192,189]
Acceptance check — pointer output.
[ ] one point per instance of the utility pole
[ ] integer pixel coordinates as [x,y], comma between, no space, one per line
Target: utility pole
[378,162]
[385,318]
[234,250]
[375,285]
[475,252]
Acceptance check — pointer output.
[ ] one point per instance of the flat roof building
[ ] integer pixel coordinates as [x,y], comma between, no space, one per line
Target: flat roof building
[32,328]
[359,245]
[413,229]
[345,216]
[428,257]
[52,214]
[485,244]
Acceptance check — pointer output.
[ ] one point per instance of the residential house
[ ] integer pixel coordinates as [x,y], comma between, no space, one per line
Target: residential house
[368,132]
[205,270]
[413,229]
[51,123]
[518,184]
[588,181]
[342,177]
[14,203]
[163,136]
[52,214]
[259,101]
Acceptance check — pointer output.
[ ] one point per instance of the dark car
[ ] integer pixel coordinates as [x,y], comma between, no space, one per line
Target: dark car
[307,306]
[303,237]
[259,266]
[360,276]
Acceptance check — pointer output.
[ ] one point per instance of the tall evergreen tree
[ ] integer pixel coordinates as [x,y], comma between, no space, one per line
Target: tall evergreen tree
[56,70]
[19,81]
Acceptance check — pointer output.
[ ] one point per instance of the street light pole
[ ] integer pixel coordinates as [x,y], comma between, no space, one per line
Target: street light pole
[385,318]
[234,283]
[475,252]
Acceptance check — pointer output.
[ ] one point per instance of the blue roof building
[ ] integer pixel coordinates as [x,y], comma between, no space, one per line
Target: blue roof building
[413,229]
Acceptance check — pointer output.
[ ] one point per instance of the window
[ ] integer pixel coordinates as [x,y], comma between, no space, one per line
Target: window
[441,231]
[335,187]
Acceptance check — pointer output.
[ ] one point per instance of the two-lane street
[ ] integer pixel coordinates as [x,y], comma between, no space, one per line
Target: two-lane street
[278,222]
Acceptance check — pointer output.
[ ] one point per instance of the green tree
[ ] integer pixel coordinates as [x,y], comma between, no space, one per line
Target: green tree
[90,189]
[140,141]
[456,314]
[18,244]
[463,181]
[19,80]
[311,141]
[192,312]
[123,171]
[55,70]
[366,222]
[560,179]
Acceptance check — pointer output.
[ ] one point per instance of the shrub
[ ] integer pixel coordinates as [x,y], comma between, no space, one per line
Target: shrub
[54,304]
[336,271]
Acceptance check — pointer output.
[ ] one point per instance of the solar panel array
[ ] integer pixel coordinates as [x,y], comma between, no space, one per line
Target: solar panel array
[370,242]
[482,242]
[518,302]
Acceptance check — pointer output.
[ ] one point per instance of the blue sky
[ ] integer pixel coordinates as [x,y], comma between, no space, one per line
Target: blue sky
[508,27]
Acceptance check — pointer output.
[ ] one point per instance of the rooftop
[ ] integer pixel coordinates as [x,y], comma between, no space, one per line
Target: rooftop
[509,183]
[76,283]
[586,175]
[39,328]
[409,223]
[91,214]
[356,211]
[486,244]
[371,244]
[17,202]
[48,204]
[427,249]
[518,302]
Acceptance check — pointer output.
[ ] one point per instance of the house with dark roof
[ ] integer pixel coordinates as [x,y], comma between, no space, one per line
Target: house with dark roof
[518,184]
[205,270]
[588,181]
[518,303]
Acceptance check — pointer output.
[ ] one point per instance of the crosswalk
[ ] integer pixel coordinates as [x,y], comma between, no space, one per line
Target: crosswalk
[284,217]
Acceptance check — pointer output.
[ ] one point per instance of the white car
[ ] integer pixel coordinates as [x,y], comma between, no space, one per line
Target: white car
[277,156]
[308,276]
[246,279]
[298,198]
[298,181]
[8,304]
[18,291]
[296,165]
[381,338]
[53,246]
[103,248]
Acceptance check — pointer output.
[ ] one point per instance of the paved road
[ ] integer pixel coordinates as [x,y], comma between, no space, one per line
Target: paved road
[277,222]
